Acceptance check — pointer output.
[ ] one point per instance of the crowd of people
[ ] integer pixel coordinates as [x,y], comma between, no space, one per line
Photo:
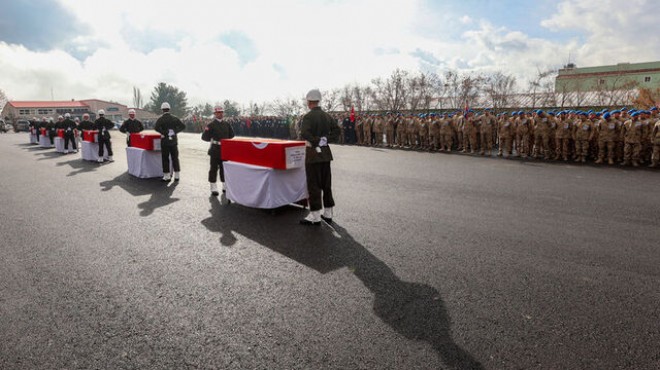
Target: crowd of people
[624,136]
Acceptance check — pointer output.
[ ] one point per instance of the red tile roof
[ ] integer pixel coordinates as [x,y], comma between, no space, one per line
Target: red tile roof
[48,104]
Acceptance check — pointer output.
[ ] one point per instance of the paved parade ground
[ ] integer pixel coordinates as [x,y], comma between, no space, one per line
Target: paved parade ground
[436,261]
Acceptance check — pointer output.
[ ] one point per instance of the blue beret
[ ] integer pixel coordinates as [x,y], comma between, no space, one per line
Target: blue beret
[606,115]
[635,114]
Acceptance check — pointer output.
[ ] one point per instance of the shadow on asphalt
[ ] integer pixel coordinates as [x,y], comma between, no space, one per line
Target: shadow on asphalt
[79,165]
[161,193]
[414,310]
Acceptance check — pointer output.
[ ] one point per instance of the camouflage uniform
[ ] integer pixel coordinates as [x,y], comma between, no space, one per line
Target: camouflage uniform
[506,132]
[632,133]
[582,134]
[487,127]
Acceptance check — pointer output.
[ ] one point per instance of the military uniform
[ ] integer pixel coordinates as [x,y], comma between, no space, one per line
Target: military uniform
[523,133]
[103,125]
[582,134]
[168,126]
[70,129]
[655,138]
[608,130]
[487,127]
[318,129]
[506,132]
[632,133]
[401,135]
[366,131]
[389,131]
[434,133]
[215,131]
[378,131]
[563,137]
[131,126]
[542,127]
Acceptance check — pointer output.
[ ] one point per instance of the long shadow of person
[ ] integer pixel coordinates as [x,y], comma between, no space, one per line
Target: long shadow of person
[79,165]
[161,194]
[413,310]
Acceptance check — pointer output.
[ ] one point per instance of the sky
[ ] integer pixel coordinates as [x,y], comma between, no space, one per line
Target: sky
[257,51]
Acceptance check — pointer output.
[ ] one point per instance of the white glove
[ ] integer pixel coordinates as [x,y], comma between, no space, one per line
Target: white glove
[170,133]
[323,141]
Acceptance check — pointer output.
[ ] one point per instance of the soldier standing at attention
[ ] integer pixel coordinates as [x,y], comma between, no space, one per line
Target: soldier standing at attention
[103,125]
[607,132]
[655,139]
[583,134]
[488,125]
[131,126]
[366,131]
[506,133]
[215,131]
[70,131]
[168,126]
[632,133]
[318,129]
[359,123]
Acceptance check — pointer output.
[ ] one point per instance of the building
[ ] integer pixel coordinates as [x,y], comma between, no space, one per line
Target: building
[15,110]
[623,76]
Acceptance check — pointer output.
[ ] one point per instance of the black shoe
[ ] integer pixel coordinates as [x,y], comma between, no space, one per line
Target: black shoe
[215,193]
[327,219]
[310,223]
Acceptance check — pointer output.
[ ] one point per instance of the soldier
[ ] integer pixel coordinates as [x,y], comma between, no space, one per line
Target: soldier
[215,131]
[434,132]
[359,130]
[646,144]
[608,130]
[378,127]
[621,117]
[488,125]
[168,126]
[582,134]
[506,133]
[103,125]
[563,134]
[423,132]
[401,132]
[542,127]
[318,129]
[389,130]
[366,131]
[523,133]
[655,138]
[131,126]
[70,133]
[632,133]
[86,124]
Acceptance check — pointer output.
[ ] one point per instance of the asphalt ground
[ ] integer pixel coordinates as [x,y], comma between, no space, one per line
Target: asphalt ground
[435,261]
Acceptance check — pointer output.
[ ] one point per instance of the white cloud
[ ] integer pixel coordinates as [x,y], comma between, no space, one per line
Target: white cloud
[300,44]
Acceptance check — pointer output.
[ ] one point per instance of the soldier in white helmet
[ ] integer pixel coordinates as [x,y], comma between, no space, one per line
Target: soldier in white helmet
[168,126]
[318,129]
[215,131]
[131,126]
[70,132]
[104,125]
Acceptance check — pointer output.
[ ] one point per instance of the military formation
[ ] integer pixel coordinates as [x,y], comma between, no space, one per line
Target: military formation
[623,136]
[261,126]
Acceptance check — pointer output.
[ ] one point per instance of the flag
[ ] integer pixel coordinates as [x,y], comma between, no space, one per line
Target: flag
[352,114]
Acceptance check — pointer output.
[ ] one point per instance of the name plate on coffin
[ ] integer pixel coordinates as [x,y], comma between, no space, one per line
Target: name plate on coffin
[271,153]
[146,140]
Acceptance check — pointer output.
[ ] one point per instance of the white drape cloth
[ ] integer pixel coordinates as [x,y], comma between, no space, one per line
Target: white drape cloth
[59,145]
[44,141]
[90,151]
[33,138]
[263,187]
[144,163]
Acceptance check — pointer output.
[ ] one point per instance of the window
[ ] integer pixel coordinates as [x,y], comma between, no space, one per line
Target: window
[44,111]
[647,79]
[25,112]
[601,82]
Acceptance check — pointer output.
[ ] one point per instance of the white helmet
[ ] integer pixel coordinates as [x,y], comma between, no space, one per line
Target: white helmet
[101,112]
[131,111]
[165,105]
[313,95]
[67,115]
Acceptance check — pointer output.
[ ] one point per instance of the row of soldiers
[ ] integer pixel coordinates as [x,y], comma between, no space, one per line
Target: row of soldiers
[261,126]
[629,137]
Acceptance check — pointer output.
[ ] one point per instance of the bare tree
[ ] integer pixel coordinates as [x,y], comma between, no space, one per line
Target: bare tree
[421,90]
[391,94]
[347,97]
[499,87]
[331,100]
[540,87]
[462,89]
[137,98]
[287,107]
